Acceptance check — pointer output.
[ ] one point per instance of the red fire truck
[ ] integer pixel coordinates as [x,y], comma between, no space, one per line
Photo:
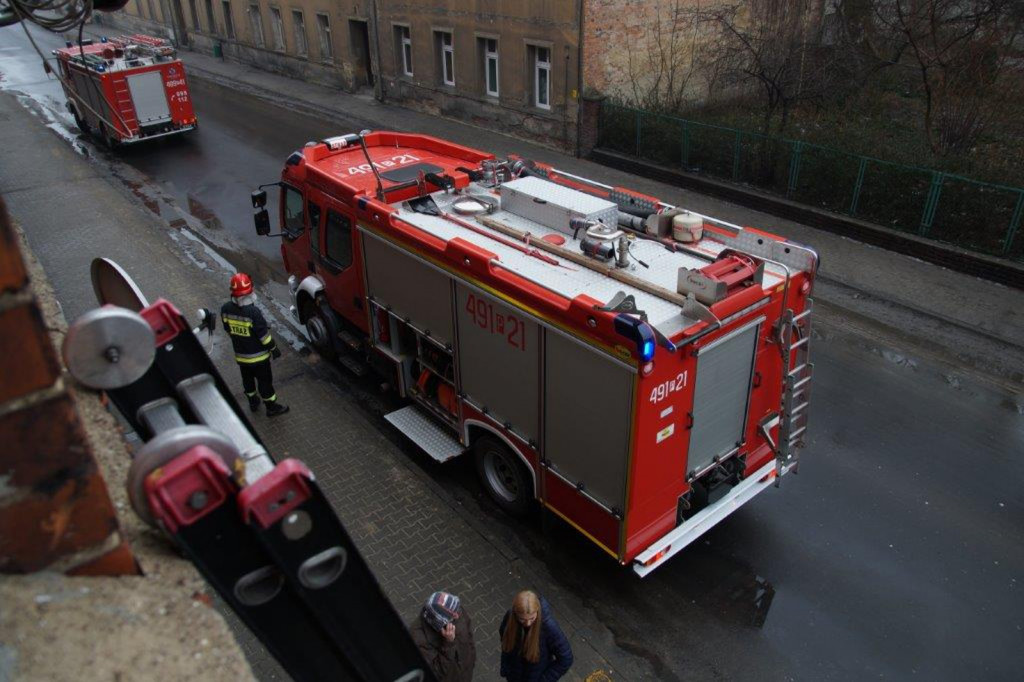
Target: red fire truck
[126,89]
[639,369]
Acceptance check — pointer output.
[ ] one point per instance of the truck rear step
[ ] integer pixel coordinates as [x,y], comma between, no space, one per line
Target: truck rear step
[425,432]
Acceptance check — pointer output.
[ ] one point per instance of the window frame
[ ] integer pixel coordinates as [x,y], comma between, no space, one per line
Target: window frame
[403,44]
[277,29]
[314,226]
[490,55]
[229,21]
[447,55]
[209,16]
[323,32]
[346,229]
[299,33]
[286,192]
[538,67]
[256,21]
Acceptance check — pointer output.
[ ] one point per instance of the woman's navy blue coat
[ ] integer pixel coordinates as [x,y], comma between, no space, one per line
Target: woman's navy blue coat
[555,652]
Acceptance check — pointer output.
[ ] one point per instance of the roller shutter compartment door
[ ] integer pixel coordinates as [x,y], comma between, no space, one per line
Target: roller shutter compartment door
[722,396]
[149,97]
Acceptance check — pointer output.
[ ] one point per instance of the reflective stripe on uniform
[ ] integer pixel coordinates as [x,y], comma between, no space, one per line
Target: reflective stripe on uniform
[250,358]
[270,399]
[267,339]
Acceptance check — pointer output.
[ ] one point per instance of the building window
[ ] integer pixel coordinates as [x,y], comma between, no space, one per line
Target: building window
[299,28]
[323,28]
[489,49]
[256,23]
[229,24]
[403,49]
[446,49]
[277,27]
[195,15]
[542,77]
[210,26]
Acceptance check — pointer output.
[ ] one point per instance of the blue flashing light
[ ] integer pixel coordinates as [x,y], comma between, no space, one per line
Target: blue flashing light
[648,351]
[103,39]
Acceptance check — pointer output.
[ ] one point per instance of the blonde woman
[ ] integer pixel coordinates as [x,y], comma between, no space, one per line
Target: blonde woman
[533,647]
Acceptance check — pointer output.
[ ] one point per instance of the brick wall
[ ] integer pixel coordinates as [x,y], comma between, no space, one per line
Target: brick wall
[626,42]
[55,511]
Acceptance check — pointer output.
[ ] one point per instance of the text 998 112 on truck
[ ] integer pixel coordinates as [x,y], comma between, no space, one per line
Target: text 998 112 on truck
[640,370]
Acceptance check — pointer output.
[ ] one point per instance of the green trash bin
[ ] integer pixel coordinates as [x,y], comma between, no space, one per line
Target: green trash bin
[218,50]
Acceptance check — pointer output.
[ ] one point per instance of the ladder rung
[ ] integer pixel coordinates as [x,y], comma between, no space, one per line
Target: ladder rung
[801,342]
[801,316]
[798,407]
[800,383]
[795,372]
[796,433]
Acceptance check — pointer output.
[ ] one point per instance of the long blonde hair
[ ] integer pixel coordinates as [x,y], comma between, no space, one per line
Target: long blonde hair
[527,640]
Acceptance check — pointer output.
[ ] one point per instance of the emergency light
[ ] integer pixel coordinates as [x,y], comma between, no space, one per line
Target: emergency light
[639,332]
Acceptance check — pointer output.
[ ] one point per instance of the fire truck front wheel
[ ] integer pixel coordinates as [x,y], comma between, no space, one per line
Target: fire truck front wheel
[320,328]
[505,477]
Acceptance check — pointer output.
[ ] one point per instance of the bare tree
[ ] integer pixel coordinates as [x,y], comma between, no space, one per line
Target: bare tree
[967,56]
[770,48]
[662,70]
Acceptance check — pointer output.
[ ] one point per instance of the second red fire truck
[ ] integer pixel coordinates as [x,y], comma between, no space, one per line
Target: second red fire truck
[640,370]
[126,89]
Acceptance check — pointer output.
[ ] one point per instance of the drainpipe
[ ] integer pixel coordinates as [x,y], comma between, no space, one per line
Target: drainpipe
[579,75]
[378,81]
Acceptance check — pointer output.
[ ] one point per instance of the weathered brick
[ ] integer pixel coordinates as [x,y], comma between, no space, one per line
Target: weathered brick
[66,515]
[12,268]
[118,561]
[27,359]
[44,445]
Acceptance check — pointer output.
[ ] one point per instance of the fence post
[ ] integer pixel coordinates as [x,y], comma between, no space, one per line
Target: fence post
[794,166]
[860,183]
[639,122]
[932,202]
[1014,223]
[684,157]
[736,157]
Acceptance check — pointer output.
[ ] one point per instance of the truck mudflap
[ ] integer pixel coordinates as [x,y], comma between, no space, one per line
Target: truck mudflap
[674,541]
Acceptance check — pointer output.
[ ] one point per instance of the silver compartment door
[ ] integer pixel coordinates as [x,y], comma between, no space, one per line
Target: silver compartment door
[588,403]
[499,360]
[149,98]
[414,290]
[721,397]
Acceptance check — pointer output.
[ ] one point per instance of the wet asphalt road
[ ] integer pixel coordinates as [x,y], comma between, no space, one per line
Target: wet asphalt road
[897,553]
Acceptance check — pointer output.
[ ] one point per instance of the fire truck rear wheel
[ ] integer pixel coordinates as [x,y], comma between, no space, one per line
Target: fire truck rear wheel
[80,122]
[503,475]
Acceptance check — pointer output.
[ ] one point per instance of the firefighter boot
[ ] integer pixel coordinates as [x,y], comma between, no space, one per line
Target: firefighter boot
[254,402]
[275,408]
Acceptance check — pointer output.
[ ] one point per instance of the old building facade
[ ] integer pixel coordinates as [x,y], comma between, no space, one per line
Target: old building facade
[518,66]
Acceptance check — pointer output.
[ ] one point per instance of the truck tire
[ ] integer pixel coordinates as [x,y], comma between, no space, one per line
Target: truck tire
[109,141]
[503,475]
[80,122]
[320,329]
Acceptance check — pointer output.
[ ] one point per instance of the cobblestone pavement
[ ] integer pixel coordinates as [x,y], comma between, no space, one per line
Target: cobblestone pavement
[413,534]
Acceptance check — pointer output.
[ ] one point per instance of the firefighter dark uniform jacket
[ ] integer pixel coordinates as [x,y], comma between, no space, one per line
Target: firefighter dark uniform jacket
[248,330]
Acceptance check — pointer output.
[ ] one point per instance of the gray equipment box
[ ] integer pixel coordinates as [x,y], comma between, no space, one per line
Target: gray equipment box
[554,205]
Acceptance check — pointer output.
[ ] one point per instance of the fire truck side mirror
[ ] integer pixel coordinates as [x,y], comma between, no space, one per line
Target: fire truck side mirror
[259,198]
[262,220]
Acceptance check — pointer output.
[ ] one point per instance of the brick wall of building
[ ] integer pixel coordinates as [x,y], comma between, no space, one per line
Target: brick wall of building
[55,512]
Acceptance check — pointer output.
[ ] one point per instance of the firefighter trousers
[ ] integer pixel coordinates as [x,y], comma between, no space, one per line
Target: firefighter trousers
[258,373]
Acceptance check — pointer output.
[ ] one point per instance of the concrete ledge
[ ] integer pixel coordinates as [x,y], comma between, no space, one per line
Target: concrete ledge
[987,267]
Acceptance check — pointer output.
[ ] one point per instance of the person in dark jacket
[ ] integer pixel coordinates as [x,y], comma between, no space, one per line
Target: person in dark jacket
[253,344]
[533,647]
[444,635]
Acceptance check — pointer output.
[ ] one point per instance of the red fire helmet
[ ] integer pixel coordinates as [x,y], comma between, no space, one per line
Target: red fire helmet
[241,285]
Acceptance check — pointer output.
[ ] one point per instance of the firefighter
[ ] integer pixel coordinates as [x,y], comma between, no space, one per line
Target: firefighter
[253,343]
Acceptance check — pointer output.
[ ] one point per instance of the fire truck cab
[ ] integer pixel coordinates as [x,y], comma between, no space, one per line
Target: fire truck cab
[126,89]
[640,370]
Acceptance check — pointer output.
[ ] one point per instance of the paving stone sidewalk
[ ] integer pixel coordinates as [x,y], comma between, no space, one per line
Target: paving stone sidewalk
[414,535]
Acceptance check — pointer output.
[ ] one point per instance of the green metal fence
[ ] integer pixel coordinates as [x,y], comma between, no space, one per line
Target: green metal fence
[974,215]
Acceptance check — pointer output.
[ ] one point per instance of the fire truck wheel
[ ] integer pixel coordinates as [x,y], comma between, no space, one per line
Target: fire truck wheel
[505,477]
[108,140]
[80,122]
[320,329]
